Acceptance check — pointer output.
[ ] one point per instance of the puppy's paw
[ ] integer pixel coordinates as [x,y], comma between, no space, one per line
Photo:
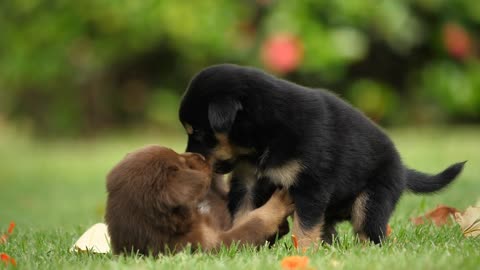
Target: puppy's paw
[281,203]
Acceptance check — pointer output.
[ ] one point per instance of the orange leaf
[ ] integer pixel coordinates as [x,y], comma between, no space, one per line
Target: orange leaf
[295,263]
[12,260]
[4,257]
[11,227]
[7,259]
[295,241]
[389,230]
[439,216]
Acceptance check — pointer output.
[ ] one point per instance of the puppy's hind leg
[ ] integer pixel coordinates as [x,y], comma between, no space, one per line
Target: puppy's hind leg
[329,232]
[373,207]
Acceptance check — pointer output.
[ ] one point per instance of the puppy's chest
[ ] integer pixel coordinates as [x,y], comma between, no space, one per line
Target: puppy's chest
[204,207]
[213,210]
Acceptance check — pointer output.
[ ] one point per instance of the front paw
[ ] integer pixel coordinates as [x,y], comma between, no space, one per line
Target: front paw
[281,203]
[282,230]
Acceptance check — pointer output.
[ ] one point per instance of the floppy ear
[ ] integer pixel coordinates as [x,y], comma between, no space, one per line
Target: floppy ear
[222,113]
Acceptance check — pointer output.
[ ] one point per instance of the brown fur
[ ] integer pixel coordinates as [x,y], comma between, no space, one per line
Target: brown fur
[161,201]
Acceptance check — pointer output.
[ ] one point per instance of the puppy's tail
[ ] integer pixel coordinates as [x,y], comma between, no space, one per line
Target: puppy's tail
[419,182]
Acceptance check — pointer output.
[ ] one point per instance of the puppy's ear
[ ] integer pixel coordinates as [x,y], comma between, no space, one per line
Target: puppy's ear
[222,113]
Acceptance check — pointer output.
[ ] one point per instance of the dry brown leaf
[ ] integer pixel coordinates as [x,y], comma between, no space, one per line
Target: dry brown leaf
[438,216]
[469,221]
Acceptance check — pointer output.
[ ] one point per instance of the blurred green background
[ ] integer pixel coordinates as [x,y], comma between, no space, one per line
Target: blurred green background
[76,68]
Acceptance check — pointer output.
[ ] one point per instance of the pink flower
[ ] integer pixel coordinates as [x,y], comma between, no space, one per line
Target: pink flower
[457,41]
[282,52]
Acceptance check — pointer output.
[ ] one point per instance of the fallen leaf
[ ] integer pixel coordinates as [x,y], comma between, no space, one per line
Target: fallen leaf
[295,263]
[96,239]
[469,221]
[389,230]
[11,227]
[439,216]
[295,241]
[4,237]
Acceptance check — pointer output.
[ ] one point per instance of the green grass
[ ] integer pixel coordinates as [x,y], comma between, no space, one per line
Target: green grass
[55,190]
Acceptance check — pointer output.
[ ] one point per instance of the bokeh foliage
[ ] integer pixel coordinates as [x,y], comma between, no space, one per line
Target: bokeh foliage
[80,66]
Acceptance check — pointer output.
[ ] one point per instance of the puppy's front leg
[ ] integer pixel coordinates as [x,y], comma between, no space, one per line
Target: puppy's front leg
[240,196]
[309,217]
[256,226]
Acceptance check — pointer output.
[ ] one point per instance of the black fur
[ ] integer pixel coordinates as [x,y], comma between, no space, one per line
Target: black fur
[419,182]
[222,112]
[342,152]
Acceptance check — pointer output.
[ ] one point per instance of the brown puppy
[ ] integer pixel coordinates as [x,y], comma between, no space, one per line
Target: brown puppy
[161,201]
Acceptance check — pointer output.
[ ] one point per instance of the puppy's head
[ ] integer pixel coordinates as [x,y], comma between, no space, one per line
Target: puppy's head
[215,117]
[156,176]
[151,193]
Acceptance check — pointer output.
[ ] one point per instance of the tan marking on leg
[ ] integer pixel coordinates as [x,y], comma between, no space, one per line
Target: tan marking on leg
[307,238]
[358,212]
[358,215]
[285,175]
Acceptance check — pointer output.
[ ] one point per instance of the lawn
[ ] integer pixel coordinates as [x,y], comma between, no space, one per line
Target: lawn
[55,189]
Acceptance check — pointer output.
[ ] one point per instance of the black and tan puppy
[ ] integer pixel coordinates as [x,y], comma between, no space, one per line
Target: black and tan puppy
[161,201]
[337,164]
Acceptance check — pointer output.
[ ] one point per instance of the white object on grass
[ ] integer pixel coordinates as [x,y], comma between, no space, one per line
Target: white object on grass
[469,221]
[95,240]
